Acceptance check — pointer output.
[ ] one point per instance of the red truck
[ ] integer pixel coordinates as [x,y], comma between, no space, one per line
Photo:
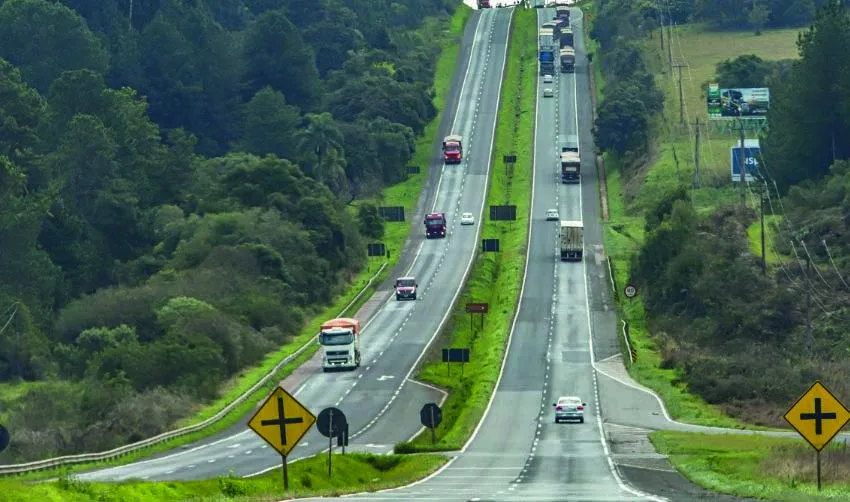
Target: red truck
[435,225]
[452,149]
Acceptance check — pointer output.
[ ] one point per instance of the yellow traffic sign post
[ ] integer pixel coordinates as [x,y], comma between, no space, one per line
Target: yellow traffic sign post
[818,416]
[281,422]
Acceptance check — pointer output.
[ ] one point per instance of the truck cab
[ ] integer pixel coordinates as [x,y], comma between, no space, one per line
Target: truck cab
[340,341]
[405,288]
[452,149]
[435,225]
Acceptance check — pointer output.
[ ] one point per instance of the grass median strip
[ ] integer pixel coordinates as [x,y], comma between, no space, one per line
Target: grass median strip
[495,278]
[757,466]
[351,473]
[404,194]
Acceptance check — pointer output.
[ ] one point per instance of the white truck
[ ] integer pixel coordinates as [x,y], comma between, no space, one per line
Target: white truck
[340,340]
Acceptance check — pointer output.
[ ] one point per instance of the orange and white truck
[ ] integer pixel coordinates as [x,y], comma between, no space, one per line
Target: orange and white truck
[340,341]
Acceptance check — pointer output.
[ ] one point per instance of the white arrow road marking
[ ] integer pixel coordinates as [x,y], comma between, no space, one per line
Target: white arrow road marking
[385,377]
[237,445]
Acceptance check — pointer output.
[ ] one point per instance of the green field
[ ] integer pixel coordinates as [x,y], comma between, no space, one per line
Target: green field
[351,473]
[495,278]
[402,194]
[629,198]
[760,467]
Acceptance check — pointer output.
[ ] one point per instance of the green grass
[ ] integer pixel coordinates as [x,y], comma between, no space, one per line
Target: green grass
[757,466]
[495,278]
[402,194]
[672,162]
[351,473]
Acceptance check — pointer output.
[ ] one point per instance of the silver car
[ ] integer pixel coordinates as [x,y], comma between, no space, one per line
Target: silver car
[569,408]
[547,79]
[552,215]
[548,93]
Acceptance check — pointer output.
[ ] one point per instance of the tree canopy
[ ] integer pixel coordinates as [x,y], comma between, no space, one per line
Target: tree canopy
[176,182]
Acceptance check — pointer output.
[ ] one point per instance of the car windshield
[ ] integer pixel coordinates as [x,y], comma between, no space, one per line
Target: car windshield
[569,402]
[452,147]
[336,338]
[434,221]
[467,215]
[405,283]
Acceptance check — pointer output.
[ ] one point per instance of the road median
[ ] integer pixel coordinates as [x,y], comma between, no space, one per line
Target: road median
[351,473]
[495,278]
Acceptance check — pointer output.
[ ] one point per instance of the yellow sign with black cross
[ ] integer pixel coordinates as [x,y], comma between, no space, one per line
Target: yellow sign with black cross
[282,421]
[818,416]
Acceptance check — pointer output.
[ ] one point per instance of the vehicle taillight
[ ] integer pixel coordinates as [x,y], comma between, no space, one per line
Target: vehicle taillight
[558,408]
[580,407]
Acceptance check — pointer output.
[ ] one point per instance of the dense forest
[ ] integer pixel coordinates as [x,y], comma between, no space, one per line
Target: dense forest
[740,338]
[176,179]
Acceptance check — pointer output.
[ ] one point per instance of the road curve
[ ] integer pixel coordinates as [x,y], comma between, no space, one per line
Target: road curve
[399,332]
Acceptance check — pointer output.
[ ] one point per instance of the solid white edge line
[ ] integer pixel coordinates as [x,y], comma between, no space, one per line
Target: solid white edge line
[611,465]
[469,263]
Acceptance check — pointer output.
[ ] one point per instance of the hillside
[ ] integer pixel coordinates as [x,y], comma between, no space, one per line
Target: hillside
[708,321]
[177,189]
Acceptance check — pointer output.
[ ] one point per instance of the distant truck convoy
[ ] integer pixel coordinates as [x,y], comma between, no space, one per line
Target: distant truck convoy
[452,149]
[340,340]
[568,60]
[572,240]
[484,4]
[435,225]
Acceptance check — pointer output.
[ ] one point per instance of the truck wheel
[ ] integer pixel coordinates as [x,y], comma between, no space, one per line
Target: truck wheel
[397,298]
[325,370]
[357,359]
[414,296]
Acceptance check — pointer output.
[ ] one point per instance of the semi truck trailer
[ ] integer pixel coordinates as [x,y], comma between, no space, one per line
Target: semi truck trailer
[572,240]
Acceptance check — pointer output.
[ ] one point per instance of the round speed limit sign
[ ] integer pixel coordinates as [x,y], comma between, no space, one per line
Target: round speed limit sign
[630,291]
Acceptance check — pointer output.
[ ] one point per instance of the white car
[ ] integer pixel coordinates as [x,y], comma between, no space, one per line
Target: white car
[467,219]
[547,79]
[552,215]
[548,93]
[569,408]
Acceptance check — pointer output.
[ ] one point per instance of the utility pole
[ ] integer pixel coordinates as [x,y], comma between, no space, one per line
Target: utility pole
[696,156]
[679,67]
[743,168]
[670,44]
[676,161]
[809,337]
[763,257]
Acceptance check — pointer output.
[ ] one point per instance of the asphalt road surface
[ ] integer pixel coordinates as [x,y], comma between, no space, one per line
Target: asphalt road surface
[379,400]
[564,337]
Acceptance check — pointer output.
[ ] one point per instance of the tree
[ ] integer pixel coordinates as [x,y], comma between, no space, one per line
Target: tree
[318,141]
[276,56]
[622,120]
[45,38]
[758,16]
[809,123]
[269,124]
[21,110]
[747,70]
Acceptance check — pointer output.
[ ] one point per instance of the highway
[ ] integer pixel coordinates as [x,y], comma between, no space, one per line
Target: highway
[380,401]
[518,452]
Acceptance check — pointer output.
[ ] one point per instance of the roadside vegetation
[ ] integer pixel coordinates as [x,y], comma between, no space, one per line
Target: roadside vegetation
[495,278]
[180,197]
[307,478]
[757,466]
[722,343]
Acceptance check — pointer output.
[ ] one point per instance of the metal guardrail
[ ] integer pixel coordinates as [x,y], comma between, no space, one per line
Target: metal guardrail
[40,465]
[628,339]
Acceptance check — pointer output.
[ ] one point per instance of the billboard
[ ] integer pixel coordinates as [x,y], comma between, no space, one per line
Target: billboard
[741,102]
[752,154]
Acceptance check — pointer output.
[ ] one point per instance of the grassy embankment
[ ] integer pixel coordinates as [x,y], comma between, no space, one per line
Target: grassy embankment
[758,466]
[402,194]
[351,473]
[495,278]
[628,199]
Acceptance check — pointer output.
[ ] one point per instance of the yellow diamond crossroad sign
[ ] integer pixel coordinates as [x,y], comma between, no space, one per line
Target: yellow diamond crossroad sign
[818,416]
[282,421]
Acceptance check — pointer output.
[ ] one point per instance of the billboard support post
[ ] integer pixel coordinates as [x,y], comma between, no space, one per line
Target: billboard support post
[696,157]
[743,169]
[679,67]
